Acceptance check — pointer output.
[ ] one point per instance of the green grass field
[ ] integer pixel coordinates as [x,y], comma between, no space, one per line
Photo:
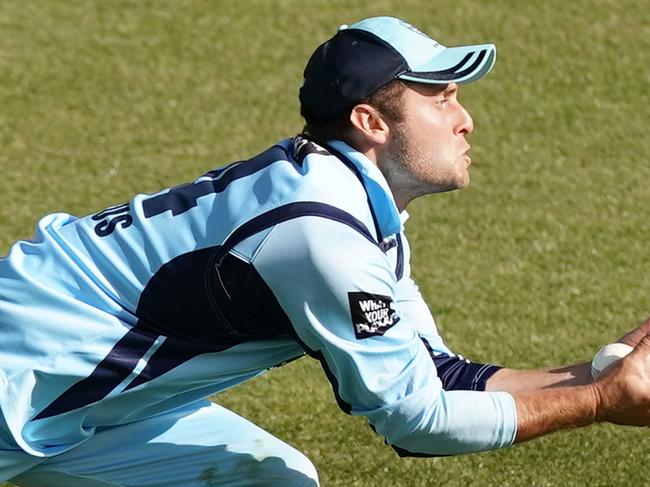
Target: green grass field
[538,263]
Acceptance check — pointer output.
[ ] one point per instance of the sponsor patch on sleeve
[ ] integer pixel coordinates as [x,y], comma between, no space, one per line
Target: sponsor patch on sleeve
[371,314]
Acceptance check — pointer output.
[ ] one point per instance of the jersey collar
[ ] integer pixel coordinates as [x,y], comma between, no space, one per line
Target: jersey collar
[380,196]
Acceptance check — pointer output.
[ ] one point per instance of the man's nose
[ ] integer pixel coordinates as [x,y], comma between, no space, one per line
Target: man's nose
[466,124]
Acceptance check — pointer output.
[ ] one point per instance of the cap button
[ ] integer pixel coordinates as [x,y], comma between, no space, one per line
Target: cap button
[343,26]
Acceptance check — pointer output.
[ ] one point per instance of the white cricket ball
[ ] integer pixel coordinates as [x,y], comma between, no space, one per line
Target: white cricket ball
[607,356]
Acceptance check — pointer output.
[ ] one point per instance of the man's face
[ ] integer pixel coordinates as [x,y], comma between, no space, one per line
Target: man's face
[426,151]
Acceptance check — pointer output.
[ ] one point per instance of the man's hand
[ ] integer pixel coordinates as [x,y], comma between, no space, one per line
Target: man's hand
[624,389]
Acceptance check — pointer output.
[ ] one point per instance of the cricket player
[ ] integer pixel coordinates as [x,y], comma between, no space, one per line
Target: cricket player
[116,326]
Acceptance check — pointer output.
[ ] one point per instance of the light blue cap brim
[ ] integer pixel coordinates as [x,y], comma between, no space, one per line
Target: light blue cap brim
[429,61]
[462,64]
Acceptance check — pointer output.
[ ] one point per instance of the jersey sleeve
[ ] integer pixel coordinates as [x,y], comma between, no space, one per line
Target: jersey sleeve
[339,291]
[454,371]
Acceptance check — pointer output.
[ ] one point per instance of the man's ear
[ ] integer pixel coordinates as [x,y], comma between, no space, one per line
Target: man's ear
[370,124]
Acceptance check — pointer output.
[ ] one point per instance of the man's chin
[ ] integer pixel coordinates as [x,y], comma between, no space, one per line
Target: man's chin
[459,182]
[463,179]
[446,188]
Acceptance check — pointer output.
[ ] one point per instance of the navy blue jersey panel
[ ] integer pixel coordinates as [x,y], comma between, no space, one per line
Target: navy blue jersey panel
[108,374]
[246,309]
[457,373]
[399,265]
[193,299]
[405,453]
[176,303]
[172,353]
[245,300]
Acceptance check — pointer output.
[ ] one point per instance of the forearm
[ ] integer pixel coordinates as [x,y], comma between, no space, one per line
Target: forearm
[548,410]
[519,381]
[548,400]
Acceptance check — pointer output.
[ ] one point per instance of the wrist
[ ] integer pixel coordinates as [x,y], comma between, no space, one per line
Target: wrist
[601,411]
[608,403]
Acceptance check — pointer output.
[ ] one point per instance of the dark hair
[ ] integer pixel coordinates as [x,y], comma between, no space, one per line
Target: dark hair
[387,100]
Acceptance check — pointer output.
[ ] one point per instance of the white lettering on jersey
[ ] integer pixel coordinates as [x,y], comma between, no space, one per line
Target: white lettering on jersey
[371,314]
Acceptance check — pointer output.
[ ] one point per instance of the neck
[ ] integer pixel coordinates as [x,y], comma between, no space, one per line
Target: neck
[398,181]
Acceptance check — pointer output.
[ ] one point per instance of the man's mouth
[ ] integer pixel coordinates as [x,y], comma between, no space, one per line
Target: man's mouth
[466,156]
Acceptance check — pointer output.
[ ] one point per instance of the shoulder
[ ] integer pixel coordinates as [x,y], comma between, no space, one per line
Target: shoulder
[314,184]
[330,181]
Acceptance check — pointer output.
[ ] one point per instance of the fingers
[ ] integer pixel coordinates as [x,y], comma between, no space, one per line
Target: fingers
[643,346]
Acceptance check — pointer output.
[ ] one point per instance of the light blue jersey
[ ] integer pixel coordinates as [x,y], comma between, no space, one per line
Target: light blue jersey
[151,305]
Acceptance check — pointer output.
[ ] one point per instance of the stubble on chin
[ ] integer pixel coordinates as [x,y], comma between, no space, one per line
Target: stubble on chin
[411,171]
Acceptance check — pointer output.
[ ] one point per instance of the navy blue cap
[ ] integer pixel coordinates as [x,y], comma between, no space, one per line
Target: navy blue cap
[365,56]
